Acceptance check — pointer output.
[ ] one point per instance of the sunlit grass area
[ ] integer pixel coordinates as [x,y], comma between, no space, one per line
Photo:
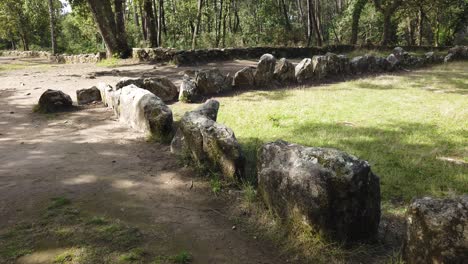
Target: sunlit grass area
[24,63]
[411,127]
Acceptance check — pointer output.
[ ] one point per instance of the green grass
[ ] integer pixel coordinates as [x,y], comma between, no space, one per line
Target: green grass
[411,127]
[110,62]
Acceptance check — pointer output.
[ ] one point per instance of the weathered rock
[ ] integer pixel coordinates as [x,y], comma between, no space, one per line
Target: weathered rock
[359,65]
[54,101]
[450,57]
[188,92]
[393,60]
[138,82]
[107,94]
[162,87]
[244,79]
[334,66]
[209,143]
[459,52]
[265,70]
[400,53]
[212,82]
[284,71]
[382,64]
[333,192]
[320,65]
[304,70]
[437,231]
[145,112]
[86,96]
[345,67]
[209,109]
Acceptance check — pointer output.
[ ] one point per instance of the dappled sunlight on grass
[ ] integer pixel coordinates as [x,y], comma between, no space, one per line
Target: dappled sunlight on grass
[394,121]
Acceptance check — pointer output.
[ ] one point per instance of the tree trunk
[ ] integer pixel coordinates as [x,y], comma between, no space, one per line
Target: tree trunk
[120,19]
[105,19]
[420,25]
[387,23]
[358,7]
[197,25]
[52,28]
[286,16]
[152,36]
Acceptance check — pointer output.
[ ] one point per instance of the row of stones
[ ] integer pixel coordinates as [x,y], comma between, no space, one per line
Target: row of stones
[60,58]
[193,57]
[270,72]
[334,192]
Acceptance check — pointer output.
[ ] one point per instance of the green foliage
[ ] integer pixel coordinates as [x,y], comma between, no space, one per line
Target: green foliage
[236,23]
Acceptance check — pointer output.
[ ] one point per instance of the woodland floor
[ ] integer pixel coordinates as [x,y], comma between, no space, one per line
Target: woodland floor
[80,187]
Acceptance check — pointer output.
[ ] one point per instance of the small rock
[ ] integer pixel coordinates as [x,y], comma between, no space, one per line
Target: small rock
[28,94]
[234,227]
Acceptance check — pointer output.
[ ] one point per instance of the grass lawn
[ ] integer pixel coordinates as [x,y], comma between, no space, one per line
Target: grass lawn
[411,127]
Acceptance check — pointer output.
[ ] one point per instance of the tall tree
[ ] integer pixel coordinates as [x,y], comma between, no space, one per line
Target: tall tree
[53,39]
[105,20]
[357,10]
[197,24]
[152,34]
[387,8]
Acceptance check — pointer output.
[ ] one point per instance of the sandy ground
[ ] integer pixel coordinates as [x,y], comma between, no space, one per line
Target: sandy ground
[104,167]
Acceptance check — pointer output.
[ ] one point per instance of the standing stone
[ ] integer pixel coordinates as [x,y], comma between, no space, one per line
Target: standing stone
[212,82]
[359,65]
[329,190]
[345,67]
[188,90]
[162,87]
[265,70]
[304,70]
[138,82]
[145,112]
[437,231]
[285,71]
[208,143]
[320,65]
[87,96]
[393,60]
[244,79]
[54,101]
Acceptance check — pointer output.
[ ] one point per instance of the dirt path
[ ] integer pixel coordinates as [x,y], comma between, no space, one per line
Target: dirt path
[106,169]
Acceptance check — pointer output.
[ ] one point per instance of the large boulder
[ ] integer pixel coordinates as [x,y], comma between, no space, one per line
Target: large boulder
[265,70]
[145,112]
[320,65]
[304,70]
[400,53]
[333,192]
[284,71]
[244,79]
[359,65]
[54,101]
[208,143]
[188,92]
[138,82]
[393,61]
[87,96]
[459,52]
[437,231]
[162,87]
[212,82]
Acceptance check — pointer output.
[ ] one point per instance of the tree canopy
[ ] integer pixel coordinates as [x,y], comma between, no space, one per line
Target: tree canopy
[118,25]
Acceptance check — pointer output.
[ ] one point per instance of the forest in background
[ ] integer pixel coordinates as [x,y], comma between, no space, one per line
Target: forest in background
[118,25]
